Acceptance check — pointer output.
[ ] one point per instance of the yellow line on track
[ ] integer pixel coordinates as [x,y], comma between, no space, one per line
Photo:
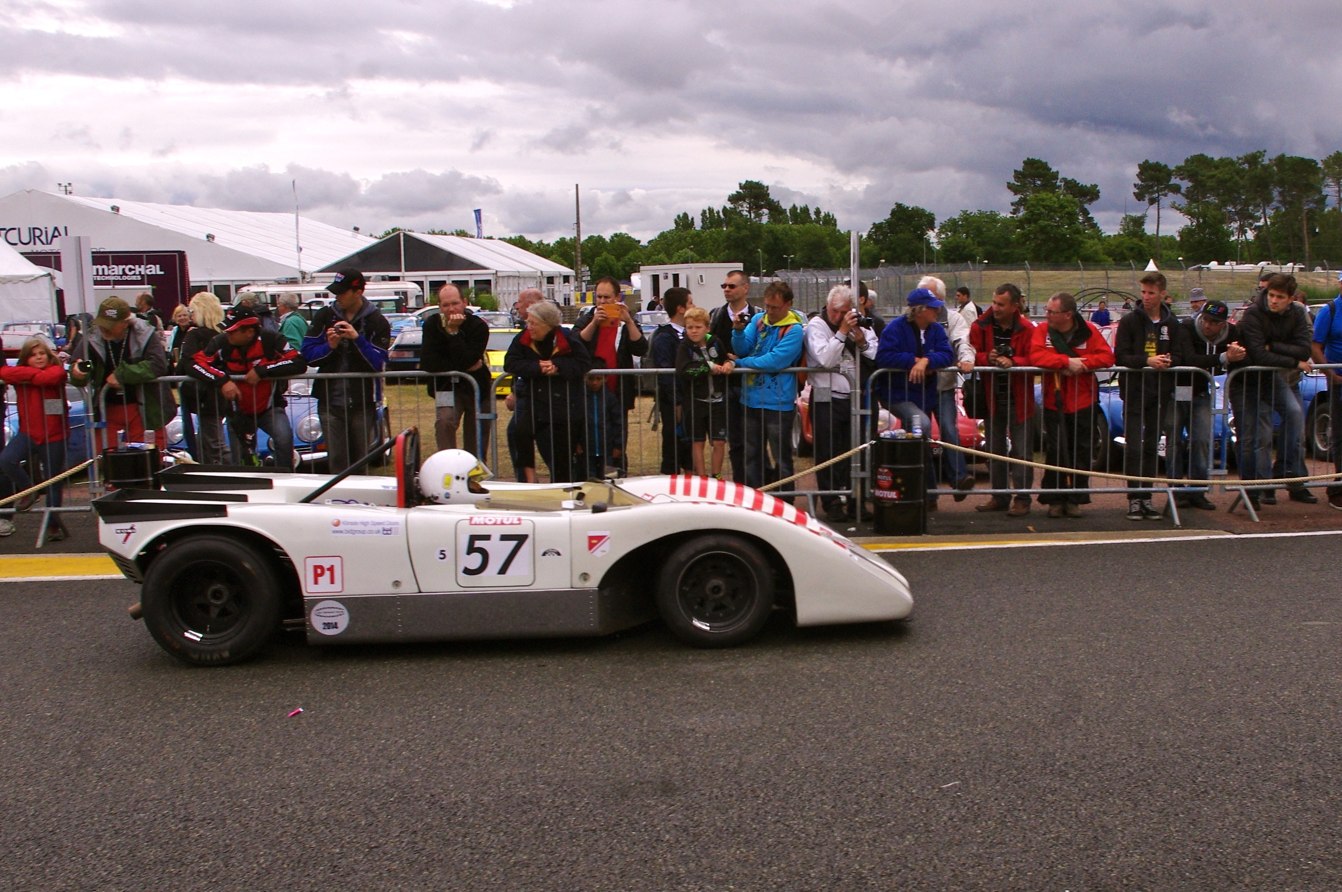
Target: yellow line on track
[47,566]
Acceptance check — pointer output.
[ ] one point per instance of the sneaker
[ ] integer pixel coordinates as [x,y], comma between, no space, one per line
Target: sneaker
[998,504]
[962,487]
[1149,511]
[1055,510]
[1071,509]
[1302,495]
[56,531]
[1135,510]
[6,527]
[1199,500]
[1335,501]
[26,502]
[1267,497]
[1019,508]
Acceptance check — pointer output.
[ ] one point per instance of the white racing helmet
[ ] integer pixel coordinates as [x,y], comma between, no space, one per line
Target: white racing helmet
[453,475]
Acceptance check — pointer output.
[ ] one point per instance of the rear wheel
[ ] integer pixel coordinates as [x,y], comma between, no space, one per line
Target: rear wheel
[716,591]
[1102,445]
[211,600]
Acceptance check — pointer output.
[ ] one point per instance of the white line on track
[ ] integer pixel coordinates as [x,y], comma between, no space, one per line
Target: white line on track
[892,548]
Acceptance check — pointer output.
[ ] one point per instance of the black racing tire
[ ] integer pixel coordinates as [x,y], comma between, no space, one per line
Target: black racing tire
[210,600]
[716,591]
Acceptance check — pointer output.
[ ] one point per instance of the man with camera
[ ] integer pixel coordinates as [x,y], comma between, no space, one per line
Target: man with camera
[1001,338]
[612,336]
[121,356]
[349,337]
[835,339]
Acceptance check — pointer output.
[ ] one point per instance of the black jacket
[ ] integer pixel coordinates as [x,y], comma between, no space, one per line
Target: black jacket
[1136,332]
[442,352]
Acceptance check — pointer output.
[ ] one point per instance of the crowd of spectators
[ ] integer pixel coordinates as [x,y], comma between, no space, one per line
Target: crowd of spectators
[727,385]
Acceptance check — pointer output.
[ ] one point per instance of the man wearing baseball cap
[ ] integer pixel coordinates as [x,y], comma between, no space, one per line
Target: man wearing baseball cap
[120,358]
[1326,347]
[243,363]
[1213,345]
[912,348]
[347,338]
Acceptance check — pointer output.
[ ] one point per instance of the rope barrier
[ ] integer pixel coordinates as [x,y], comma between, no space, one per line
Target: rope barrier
[36,488]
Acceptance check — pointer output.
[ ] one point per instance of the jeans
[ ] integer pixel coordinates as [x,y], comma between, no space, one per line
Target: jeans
[914,418]
[998,427]
[275,422]
[1264,393]
[348,432]
[1143,423]
[1334,441]
[948,418]
[47,459]
[768,431]
[1190,458]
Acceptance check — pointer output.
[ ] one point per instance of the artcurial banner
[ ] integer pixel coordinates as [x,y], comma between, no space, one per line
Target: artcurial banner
[162,273]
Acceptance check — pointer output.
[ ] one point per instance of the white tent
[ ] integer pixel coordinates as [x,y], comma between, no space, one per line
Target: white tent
[27,291]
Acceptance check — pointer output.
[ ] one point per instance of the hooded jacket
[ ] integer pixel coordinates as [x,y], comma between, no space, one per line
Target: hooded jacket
[766,348]
[1205,353]
[366,353]
[1138,338]
[143,361]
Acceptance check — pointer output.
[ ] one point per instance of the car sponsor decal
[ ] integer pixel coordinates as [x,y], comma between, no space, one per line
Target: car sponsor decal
[494,520]
[125,533]
[598,543]
[329,618]
[324,575]
[361,526]
[552,552]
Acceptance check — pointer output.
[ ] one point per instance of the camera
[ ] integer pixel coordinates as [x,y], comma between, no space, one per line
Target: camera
[744,317]
[1006,351]
[866,321]
[82,366]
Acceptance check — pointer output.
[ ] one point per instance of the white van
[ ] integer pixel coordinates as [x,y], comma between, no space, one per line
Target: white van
[389,296]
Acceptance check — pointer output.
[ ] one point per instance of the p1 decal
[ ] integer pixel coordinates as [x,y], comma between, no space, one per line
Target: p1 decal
[324,575]
[329,617]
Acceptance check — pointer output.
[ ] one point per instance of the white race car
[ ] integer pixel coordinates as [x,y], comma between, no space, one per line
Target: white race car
[227,557]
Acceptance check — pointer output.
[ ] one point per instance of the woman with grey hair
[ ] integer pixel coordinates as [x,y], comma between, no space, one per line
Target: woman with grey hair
[292,324]
[548,363]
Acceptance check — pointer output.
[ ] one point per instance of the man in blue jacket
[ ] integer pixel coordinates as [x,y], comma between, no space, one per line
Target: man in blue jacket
[911,350]
[766,345]
[349,337]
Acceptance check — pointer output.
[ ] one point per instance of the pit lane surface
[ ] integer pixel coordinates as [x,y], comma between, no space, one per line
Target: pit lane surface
[1161,716]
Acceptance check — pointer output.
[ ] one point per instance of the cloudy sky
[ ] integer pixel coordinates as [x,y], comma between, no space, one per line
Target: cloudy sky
[413,112]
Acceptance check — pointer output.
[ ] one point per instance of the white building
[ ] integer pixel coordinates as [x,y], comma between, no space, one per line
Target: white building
[703,279]
[225,249]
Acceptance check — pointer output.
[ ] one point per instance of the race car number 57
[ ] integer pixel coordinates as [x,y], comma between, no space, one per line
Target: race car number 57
[493,557]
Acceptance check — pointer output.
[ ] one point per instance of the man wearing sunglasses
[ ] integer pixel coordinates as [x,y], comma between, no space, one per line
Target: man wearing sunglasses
[736,293]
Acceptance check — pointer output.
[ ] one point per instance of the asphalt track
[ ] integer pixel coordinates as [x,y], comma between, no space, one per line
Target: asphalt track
[1161,715]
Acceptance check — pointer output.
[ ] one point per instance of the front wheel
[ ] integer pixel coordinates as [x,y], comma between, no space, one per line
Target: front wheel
[1319,428]
[211,600]
[716,591]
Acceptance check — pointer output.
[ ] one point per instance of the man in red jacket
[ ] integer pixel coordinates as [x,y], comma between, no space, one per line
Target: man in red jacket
[259,358]
[1001,337]
[1071,349]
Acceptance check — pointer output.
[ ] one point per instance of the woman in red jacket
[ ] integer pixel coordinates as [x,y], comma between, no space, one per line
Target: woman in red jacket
[1069,349]
[39,380]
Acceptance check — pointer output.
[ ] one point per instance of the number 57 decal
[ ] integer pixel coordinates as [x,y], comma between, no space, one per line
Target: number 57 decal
[498,557]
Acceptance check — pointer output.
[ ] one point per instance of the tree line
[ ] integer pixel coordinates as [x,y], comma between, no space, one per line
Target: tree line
[1245,209]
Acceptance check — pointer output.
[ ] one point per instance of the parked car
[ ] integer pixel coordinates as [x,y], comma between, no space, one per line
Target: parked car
[13,334]
[407,343]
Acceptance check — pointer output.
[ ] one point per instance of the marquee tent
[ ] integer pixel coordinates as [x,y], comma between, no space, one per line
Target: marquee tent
[27,291]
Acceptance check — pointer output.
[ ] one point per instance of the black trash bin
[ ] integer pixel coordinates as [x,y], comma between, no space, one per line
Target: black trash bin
[127,468]
[899,484]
